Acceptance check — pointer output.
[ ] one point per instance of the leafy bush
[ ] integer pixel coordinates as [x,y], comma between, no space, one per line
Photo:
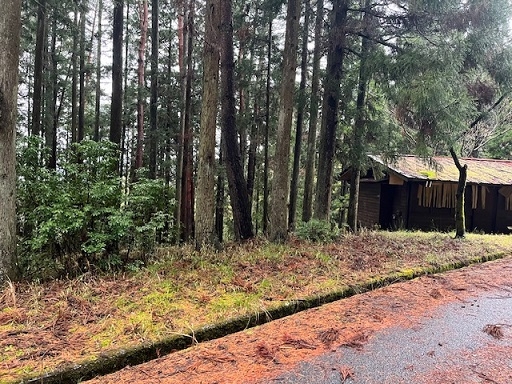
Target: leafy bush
[317,231]
[82,214]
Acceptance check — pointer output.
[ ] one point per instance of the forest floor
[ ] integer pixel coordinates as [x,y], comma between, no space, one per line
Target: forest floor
[48,326]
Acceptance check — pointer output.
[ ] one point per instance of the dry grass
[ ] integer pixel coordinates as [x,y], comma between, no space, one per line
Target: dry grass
[44,326]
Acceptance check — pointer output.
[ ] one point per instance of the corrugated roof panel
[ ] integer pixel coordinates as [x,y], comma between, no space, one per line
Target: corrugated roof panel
[442,168]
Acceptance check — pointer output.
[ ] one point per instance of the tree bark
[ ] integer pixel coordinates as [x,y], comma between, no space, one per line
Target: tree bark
[10,25]
[301,104]
[187,210]
[153,108]
[219,198]
[236,181]
[267,131]
[97,104]
[143,24]
[307,204]
[50,116]
[460,217]
[280,183]
[116,118]
[81,103]
[330,103]
[37,96]
[205,198]
[357,149]
[74,80]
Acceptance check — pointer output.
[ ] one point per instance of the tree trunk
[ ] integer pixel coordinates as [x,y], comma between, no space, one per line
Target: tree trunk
[153,108]
[267,131]
[143,24]
[307,203]
[186,157]
[37,95]
[280,183]
[460,218]
[184,164]
[125,148]
[357,149]
[10,26]
[181,136]
[219,199]
[253,146]
[236,181]
[50,116]
[81,105]
[97,105]
[327,146]
[74,80]
[116,119]
[301,103]
[205,198]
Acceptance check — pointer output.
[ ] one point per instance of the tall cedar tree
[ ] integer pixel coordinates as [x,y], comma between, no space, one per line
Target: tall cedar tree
[307,203]
[81,103]
[143,24]
[116,119]
[239,196]
[10,26]
[301,105]
[153,108]
[330,103]
[74,79]
[185,182]
[267,128]
[205,193]
[97,101]
[37,93]
[357,148]
[280,183]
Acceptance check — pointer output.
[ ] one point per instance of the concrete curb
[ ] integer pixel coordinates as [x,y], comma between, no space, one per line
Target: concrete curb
[109,363]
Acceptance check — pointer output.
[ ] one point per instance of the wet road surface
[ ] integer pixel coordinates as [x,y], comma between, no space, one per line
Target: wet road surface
[453,345]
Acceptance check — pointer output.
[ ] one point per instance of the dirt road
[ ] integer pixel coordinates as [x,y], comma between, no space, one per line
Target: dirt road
[449,328]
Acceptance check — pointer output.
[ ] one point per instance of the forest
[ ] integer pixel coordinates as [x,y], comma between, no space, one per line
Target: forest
[140,123]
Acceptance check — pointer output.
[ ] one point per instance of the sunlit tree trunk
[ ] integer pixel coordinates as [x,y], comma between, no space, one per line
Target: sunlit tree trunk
[280,183]
[10,25]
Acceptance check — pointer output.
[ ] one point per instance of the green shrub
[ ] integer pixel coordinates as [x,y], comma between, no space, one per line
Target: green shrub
[82,215]
[317,231]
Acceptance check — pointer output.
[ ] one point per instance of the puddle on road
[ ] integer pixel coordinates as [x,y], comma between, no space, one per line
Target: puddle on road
[398,354]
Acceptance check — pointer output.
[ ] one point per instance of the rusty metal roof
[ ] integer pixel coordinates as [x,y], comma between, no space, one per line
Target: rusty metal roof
[442,168]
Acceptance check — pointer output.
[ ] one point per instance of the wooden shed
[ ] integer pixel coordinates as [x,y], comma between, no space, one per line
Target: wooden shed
[412,193]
